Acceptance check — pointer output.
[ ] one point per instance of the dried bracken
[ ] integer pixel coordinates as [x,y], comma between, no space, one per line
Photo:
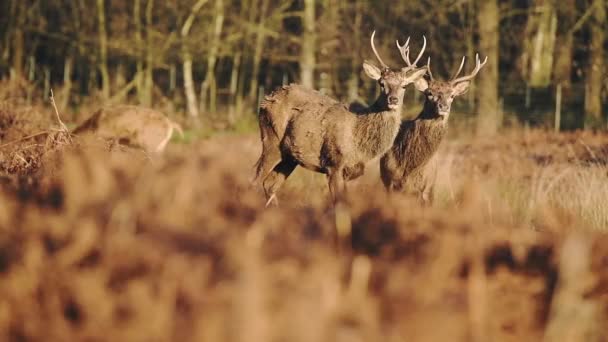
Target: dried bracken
[112,246]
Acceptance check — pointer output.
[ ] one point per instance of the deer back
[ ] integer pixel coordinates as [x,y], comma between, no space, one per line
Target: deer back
[131,125]
[289,101]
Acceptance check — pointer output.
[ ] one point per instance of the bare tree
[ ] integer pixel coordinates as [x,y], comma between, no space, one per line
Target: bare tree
[353,83]
[488,115]
[209,85]
[595,69]
[308,48]
[18,49]
[103,49]
[562,67]
[539,44]
[258,48]
[147,81]
[187,60]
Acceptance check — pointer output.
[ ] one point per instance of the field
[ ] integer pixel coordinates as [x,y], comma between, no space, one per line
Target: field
[99,242]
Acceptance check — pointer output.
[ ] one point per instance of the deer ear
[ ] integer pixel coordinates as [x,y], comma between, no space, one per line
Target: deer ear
[416,75]
[372,71]
[461,88]
[421,84]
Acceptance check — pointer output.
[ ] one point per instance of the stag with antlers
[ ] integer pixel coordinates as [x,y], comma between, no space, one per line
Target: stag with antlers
[409,165]
[300,126]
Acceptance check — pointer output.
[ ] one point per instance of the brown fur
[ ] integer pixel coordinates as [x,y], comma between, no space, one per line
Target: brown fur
[300,126]
[131,125]
[409,165]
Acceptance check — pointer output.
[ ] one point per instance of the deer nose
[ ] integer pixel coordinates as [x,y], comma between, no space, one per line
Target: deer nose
[393,99]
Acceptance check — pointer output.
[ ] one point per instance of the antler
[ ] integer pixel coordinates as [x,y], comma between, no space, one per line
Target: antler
[459,69]
[478,66]
[376,52]
[404,49]
[428,68]
[405,52]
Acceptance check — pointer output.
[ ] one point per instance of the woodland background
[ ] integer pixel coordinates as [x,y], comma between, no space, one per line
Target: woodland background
[209,61]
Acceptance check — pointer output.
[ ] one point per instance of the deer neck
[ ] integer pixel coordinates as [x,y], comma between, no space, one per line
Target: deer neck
[376,130]
[432,125]
[429,112]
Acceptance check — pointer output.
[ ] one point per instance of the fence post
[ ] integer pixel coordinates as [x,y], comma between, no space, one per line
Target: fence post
[558,107]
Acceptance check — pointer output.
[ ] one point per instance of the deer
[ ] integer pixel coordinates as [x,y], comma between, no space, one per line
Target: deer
[302,127]
[409,165]
[130,125]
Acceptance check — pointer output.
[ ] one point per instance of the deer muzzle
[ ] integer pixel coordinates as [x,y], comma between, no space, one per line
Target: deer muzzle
[443,109]
[393,102]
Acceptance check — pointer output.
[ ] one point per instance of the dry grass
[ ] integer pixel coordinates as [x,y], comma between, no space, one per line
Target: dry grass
[99,242]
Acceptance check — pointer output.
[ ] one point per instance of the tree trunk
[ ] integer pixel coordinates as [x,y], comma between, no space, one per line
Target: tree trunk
[139,64]
[234,82]
[539,44]
[7,42]
[488,111]
[67,82]
[562,68]
[187,61]
[328,45]
[471,48]
[189,85]
[307,54]
[148,81]
[595,69]
[238,97]
[260,38]
[103,50]
[82,65]
[355,64]
[209,82]
[18,42]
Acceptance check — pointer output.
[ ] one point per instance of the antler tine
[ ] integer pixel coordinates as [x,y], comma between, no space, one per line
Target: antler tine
[421,52]
[459,68]
[478,66]
[404,49]
[428,68]
[376,52]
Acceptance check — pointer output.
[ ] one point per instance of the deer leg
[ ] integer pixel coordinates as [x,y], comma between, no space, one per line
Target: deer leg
[275,179]
[270,158]
[271,151]
[427,195]
[337,186]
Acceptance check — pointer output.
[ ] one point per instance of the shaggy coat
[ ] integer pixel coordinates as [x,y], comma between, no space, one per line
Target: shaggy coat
[300,126]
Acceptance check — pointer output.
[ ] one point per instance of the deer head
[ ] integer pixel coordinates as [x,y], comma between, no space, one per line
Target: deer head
[394,82]
[440,94]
